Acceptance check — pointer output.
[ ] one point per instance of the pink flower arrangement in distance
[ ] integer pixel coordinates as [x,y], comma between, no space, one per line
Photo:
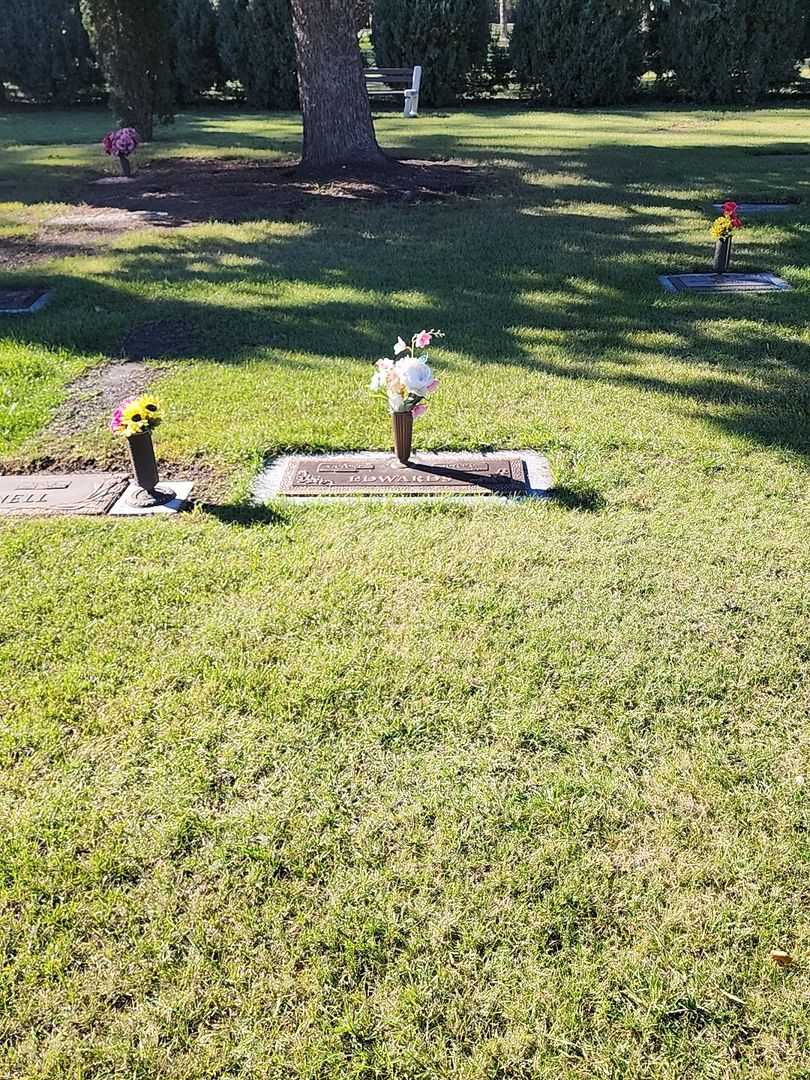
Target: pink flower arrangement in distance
[122,142]
[408,379]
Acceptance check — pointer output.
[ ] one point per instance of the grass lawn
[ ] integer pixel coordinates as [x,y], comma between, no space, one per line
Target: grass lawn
[435,790]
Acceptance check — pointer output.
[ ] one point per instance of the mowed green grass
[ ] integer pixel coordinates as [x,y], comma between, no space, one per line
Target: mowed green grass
[429,790]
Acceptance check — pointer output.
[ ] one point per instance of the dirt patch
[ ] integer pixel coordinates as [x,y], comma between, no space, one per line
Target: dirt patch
[96,393]
[182,191]
[193,189]
[80,231]
[18,251]
[159,340]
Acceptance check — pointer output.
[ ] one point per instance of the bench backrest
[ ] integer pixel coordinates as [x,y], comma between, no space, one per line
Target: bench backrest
[393,76]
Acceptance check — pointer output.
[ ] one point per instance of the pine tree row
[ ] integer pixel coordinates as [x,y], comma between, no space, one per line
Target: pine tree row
[562,52]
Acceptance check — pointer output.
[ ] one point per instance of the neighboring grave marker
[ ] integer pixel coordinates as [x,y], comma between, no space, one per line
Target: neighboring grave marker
[723,283]
[23,301]
[60,493]
[758,207]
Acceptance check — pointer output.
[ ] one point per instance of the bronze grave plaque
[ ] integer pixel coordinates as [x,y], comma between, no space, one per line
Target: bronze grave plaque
[384,475]
[60,493]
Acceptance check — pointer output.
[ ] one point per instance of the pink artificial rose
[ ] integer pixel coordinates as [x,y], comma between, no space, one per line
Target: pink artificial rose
[423,339]
[117,418]
[419,410]
[432,387]
[107,142]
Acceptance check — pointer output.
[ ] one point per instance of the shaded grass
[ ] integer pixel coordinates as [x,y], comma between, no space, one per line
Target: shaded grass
[437,790]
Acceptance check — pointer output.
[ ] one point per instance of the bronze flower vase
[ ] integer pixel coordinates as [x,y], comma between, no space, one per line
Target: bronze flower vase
[144,467]
[722,255]
[403,435]
[125,166]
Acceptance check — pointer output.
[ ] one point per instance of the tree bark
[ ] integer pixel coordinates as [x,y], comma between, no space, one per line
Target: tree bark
[337,115]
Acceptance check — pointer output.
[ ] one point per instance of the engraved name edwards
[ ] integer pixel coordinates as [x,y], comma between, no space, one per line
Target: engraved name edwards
[462,476]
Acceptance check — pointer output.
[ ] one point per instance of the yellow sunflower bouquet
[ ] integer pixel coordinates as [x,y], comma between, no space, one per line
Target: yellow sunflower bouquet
[136,416]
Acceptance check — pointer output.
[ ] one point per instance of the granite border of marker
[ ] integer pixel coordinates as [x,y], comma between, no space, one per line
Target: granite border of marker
[42,297]
[539,480]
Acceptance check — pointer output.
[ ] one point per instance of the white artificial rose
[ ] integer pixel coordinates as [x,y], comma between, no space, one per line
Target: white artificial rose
[415,374]
[395,401]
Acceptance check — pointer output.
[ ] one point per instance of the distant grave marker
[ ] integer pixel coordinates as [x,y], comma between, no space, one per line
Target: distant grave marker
[60,493]
[723,283]
[758,207]
[22,301]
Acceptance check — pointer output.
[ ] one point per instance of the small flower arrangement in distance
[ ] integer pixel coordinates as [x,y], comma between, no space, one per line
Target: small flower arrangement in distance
[406,381]
[728,222]
[121,143]
[723,228]
[136,416]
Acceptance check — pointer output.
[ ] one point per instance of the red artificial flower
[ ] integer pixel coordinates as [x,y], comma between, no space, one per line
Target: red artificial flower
[736,223]
[729,208]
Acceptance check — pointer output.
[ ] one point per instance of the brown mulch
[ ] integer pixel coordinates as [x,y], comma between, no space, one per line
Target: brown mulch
[180,191]
[195,189]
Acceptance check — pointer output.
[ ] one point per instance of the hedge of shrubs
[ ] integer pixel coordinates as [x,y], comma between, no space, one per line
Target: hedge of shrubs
[562,52]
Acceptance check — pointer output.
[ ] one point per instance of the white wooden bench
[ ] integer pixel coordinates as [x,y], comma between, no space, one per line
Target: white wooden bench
[388,81]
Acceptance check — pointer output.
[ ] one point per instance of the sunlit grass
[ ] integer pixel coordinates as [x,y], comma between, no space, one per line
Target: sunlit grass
[433,790]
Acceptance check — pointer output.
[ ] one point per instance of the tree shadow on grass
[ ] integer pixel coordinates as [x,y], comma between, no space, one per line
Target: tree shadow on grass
[570,291]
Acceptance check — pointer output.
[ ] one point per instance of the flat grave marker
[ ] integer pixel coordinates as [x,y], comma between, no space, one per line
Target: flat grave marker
[60,493]
[758,207]
[369,475]
[23,301]
[723,283]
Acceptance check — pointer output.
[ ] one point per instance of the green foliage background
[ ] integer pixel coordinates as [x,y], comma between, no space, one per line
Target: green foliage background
[449,38]
[578,52]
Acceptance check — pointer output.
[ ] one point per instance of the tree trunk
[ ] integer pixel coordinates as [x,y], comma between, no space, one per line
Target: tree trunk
[337,115]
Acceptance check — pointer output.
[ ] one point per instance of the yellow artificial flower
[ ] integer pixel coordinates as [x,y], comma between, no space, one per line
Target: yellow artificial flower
[722,227]
[151,410]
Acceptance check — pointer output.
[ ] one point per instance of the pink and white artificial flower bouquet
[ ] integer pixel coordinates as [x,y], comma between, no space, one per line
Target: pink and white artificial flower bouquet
[407,380]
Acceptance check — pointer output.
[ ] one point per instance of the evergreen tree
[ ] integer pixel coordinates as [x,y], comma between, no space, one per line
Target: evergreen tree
[193,47]
[256,48]
[449,38]
[45,51]
[131,41]
[736,51]
[578,52]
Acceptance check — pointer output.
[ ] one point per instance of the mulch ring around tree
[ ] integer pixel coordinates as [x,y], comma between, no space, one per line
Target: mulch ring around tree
[194,189]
